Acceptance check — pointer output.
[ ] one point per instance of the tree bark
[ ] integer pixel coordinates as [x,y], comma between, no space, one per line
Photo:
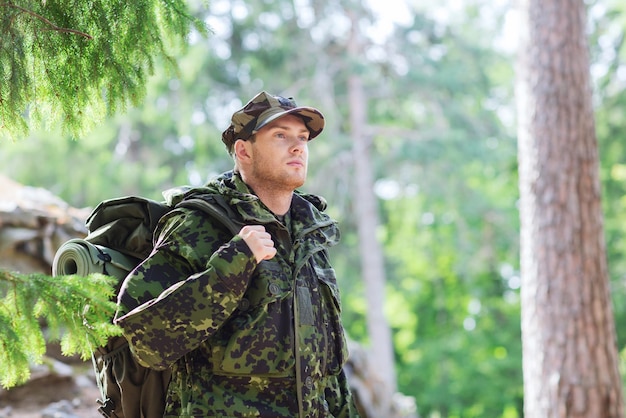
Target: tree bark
[570,358]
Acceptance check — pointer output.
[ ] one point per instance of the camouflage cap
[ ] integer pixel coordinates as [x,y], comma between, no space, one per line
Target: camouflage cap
[265,108]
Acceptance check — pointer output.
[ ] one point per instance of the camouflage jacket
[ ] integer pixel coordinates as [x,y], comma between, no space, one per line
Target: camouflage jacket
[242,340]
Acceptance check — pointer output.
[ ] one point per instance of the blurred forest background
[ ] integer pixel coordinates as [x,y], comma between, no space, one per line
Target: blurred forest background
[438,84]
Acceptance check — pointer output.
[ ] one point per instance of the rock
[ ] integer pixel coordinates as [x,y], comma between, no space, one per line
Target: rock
[60,409]
[37,390]
[33,225]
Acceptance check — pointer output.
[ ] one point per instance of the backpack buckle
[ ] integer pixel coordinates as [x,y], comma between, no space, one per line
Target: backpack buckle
[107,408]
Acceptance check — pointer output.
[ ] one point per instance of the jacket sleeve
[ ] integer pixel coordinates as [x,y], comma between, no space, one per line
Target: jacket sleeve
[185,290]
[340,398]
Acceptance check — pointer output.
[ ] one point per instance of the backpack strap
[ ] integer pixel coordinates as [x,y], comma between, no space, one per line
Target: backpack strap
[214,206]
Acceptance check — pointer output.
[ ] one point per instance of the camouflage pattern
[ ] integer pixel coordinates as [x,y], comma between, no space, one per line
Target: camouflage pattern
[242,340]
[265,108]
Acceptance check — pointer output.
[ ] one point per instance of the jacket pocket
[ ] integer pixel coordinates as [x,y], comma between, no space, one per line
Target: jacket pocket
[328,279]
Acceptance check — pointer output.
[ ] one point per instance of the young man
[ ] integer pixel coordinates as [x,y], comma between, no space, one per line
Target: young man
[249,324]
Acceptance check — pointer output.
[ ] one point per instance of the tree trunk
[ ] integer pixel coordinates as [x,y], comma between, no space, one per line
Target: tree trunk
[570,358]
[372,262]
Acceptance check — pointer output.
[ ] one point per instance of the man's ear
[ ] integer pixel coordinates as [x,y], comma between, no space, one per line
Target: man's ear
[242,150]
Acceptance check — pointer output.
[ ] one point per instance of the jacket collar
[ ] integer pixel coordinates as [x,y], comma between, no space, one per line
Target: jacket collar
[306,209]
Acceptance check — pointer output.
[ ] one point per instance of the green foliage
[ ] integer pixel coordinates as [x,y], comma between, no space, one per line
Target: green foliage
[76,310]
[74,62]
[147,150]
[453,294]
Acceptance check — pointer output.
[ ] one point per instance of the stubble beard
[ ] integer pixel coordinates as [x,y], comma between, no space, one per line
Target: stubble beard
[282,181]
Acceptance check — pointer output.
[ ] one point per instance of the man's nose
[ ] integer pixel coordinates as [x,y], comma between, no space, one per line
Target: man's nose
[298,144]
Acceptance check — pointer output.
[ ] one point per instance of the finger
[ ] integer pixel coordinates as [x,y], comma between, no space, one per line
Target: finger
[270,254]
[266,239]
[250,228]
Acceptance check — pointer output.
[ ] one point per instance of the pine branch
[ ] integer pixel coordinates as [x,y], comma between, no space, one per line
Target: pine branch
[60,76]
[76,310]
[46,21]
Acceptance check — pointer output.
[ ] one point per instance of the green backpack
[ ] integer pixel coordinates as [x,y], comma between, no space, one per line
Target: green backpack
[120,233]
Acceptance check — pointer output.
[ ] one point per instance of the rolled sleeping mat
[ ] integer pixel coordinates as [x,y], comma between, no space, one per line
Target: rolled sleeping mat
[82,258]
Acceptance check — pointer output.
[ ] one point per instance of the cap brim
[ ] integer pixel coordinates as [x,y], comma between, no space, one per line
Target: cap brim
[312,118]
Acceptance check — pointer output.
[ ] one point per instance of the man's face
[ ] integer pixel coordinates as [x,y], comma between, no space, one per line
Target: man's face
[279,154]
